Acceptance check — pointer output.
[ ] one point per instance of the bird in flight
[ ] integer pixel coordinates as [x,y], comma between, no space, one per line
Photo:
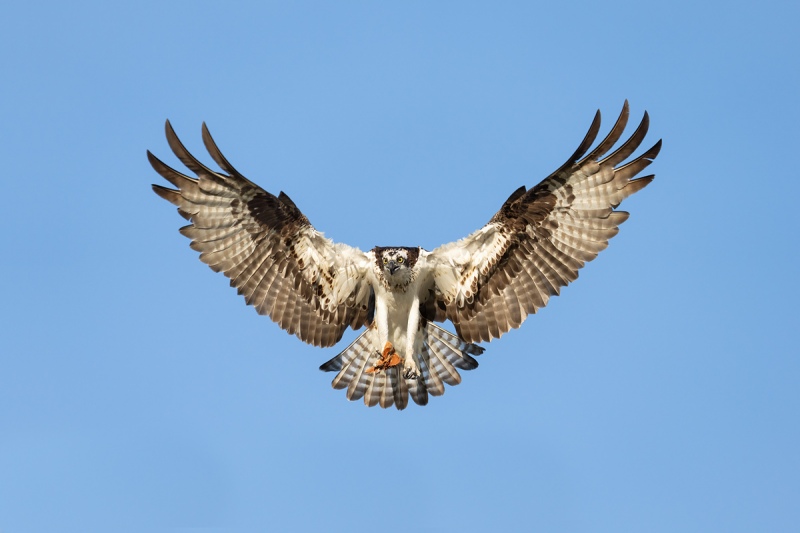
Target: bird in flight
[485,284]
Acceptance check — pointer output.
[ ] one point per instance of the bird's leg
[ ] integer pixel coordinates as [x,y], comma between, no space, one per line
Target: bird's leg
[410,367]
[386,359]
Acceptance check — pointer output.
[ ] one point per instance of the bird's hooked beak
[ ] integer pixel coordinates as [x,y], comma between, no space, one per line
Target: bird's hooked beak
[393,266]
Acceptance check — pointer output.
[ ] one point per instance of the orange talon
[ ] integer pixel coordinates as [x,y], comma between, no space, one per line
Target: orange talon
[387,359]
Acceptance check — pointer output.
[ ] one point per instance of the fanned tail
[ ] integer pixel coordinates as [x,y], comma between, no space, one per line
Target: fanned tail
[439,357]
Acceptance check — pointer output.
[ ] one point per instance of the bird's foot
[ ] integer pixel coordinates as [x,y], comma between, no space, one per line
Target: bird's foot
[410,369]
[386,359]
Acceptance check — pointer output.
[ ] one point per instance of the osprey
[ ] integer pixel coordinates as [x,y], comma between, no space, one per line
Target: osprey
[485,284]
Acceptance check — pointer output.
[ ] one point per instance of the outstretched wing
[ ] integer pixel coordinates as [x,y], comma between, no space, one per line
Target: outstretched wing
[272,254]
[490,281]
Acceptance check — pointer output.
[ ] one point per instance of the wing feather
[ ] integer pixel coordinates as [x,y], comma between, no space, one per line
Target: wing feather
[272,254]
[488,282]
[629,146]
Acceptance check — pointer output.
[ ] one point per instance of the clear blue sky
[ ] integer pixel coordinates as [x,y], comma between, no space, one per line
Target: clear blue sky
[657,393]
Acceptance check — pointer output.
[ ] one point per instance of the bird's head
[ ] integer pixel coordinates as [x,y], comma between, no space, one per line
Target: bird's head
[396,265]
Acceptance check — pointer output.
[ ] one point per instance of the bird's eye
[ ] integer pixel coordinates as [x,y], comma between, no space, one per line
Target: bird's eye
[385,260]
[399,259]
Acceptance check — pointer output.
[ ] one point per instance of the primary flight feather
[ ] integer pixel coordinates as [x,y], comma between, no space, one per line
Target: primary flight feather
[485,284]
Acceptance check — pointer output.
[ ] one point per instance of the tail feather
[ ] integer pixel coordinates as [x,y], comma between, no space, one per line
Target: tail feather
[455,342]
[357,385]
[387,388]
[418,390]
[375,387]
[455,350]
[440,363]
[440,355]
[399,389]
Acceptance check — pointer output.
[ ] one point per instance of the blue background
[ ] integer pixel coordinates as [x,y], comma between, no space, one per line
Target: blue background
[658,393]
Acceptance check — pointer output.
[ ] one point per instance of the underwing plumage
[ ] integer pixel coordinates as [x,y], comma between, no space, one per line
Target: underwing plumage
[485,284]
